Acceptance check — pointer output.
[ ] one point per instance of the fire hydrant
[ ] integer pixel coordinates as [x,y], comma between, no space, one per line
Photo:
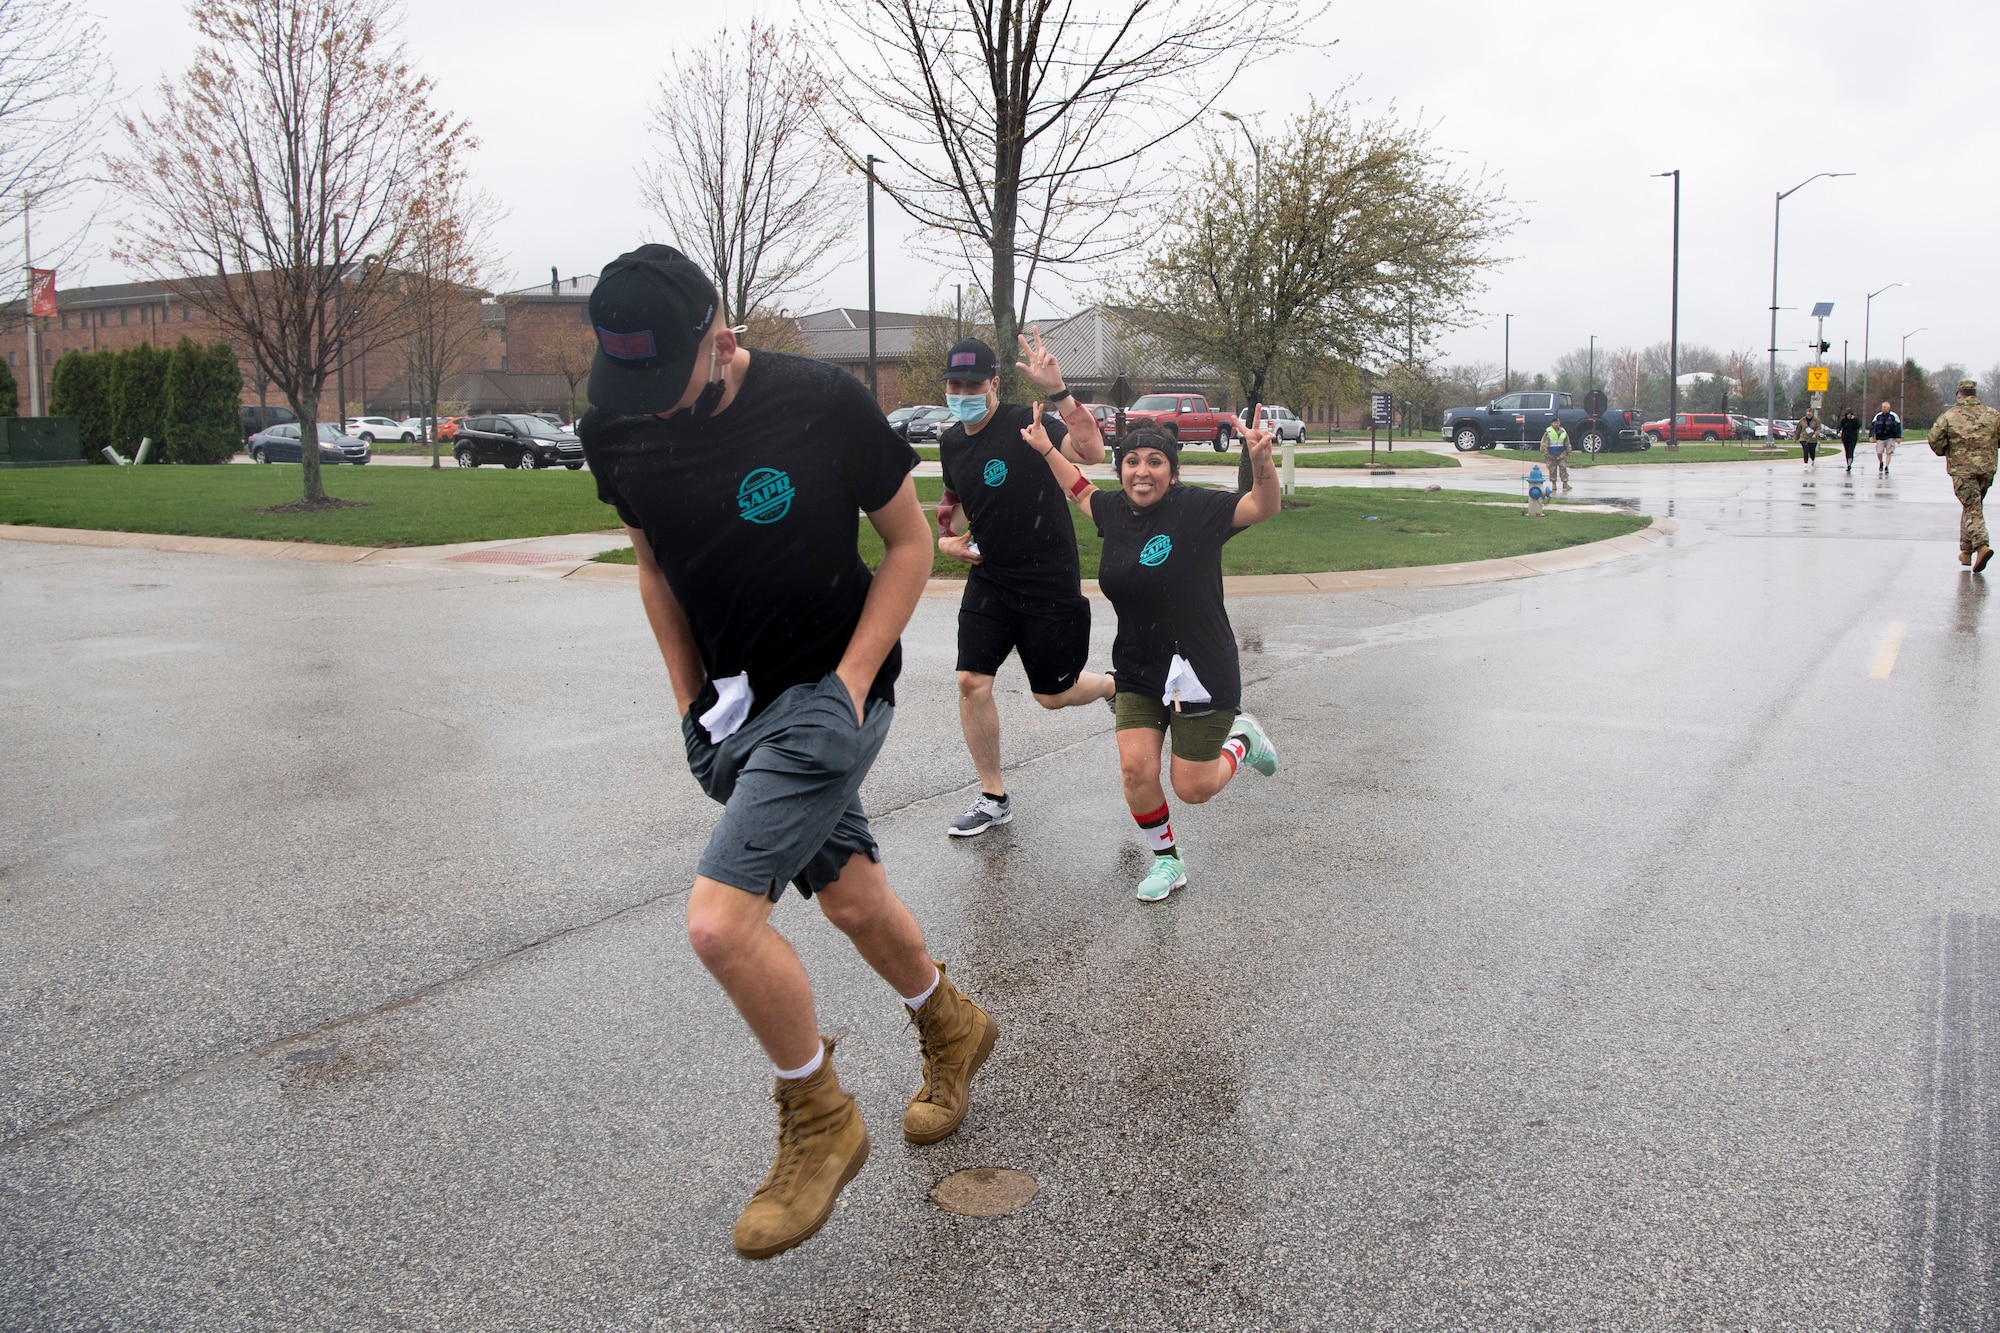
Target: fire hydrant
[1538,491]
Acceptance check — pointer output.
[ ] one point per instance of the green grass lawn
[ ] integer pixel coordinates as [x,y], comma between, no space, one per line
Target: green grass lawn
[1343,528]
[405,506]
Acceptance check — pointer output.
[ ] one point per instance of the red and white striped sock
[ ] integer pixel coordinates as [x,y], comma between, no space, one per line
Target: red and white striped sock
[1233,750]
[1158,829]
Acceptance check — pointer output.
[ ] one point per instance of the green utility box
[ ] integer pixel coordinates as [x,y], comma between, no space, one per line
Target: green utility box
[39,442]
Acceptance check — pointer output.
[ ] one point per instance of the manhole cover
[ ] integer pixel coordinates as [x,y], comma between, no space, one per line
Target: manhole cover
[984,1191]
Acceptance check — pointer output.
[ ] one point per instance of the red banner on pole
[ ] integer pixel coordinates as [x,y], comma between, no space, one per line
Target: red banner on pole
[42,291]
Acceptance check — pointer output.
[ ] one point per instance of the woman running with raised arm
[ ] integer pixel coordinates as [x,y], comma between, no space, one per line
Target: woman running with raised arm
[1175,654]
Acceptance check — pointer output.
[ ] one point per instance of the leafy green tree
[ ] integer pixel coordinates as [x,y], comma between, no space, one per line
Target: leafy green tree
[203,385]
[10,394]
[1364,241]
[138,383]
[80,387]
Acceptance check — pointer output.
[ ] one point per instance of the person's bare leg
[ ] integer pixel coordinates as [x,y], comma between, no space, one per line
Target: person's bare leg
[732,935]
[1195,782]
[1091,687]
[979,718]
[1139,768]
[863,907]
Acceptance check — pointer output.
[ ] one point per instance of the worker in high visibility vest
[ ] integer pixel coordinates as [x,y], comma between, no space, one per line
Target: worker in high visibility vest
[1555,452]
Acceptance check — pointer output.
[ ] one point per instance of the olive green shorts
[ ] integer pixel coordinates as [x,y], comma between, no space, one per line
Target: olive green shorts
[1198,737]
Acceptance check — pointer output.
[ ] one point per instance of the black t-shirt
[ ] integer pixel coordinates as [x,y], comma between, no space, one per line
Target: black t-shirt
[1162,570]
[753,516]
[1019,515]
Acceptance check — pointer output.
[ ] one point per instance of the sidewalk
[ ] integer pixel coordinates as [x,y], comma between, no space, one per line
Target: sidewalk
[572,556]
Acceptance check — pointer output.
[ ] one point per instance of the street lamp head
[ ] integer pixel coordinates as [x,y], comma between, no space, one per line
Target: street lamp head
[1231,115]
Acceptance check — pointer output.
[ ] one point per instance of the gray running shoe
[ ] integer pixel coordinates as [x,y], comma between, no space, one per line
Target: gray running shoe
[1259,753]
[983,814]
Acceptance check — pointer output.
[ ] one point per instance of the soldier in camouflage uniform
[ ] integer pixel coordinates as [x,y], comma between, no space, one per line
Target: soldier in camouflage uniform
[1968,437]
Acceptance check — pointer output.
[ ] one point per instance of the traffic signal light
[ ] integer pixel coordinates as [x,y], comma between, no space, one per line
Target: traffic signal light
[1825,347]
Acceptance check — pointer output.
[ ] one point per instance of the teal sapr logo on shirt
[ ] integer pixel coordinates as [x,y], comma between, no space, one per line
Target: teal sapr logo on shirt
[1156,551]
[765,495]
[995,472]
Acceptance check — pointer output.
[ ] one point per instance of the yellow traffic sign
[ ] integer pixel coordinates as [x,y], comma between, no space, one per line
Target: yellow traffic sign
[1816,379]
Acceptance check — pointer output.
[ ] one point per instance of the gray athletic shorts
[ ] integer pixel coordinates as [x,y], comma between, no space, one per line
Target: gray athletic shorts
[789,781]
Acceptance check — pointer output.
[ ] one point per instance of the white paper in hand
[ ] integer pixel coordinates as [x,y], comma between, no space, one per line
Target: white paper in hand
[972,548]
[1183,686]
[732,705]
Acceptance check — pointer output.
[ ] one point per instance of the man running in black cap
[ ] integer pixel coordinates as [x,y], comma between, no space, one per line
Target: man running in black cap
[741,477]
[1024,593]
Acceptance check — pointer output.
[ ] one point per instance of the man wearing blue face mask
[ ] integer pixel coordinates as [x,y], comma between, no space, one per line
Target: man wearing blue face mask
[1024,593]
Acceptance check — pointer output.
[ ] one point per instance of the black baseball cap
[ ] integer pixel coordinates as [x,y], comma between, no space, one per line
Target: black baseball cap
[969,359]
[649,309]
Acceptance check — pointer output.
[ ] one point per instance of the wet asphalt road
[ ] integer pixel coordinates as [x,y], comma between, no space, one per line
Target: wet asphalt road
[1612,950]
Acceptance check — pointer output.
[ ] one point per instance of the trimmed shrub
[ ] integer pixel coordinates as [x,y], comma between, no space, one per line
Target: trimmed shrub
[138,384]
[10,394]
[200,421]
[80,387]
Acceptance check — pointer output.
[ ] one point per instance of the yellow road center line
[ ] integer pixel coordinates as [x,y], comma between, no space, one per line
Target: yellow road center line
[1885,656]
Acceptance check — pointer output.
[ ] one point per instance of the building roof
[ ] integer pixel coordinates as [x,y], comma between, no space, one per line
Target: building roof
[1097,345]
[892,342]
[847,317]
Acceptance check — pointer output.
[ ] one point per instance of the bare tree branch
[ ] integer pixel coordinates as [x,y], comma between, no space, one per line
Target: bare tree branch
[743,178]
[1020,129]
[54,82]
[287,151]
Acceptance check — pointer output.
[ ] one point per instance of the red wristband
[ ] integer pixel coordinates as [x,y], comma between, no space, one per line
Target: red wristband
[1079,486]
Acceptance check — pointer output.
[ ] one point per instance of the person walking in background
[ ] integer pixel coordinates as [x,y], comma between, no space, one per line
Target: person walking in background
[1885,430]
[1555,453]
[1808,433]
[1850,434]
[1967,436]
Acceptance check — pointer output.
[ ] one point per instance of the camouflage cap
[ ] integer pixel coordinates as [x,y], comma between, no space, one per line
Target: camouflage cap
[1968,386]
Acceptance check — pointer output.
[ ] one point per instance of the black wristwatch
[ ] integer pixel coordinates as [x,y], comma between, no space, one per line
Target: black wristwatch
[1059,395]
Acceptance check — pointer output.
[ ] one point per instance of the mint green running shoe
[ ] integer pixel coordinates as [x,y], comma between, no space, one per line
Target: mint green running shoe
[1259,753]
[1166,875]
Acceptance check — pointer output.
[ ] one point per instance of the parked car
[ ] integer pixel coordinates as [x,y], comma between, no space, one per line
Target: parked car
[1107,420]
[280,444]
[372,429]
[1694,426]
[1281,423]
[900,418]
[927,425]
[516,440]
[1748,428]
[1784,429]
[263,418]
[1185,416]
[415,427]
[1517,420]
[448,427]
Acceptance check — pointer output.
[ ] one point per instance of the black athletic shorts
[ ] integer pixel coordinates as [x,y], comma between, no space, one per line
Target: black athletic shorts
[1052,634]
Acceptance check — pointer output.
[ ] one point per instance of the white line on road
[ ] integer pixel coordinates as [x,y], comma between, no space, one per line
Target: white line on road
[1885,656]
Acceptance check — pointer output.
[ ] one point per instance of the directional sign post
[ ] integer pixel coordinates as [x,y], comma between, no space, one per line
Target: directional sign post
[1384,409]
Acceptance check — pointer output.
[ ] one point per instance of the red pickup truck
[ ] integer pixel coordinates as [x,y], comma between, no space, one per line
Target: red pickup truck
[1185,416]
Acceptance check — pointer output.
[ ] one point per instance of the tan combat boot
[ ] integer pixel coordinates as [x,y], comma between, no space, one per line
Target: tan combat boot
[955,1036]
[821,1146]
[1979,559]
[1965,557]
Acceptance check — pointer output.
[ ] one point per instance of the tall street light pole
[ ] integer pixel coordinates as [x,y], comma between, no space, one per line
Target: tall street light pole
[1866,312]
[1903,371]
[1771,379]
[339,333]
[1674,323]
[872,391]
[1507,354]
[1257,188]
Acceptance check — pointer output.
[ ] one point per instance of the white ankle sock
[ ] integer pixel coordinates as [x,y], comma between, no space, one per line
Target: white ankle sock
[918,1002]
[806,1070]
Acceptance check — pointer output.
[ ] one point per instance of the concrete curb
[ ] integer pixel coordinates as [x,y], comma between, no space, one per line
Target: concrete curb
[580,567]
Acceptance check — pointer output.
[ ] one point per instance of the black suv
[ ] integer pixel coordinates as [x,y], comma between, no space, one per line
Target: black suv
[520,441]
[261,418]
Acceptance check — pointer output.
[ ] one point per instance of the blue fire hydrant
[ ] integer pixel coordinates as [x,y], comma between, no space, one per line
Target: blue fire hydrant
[1538,490]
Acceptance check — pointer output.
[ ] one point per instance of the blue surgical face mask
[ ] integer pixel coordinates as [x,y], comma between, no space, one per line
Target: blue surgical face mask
[969,408]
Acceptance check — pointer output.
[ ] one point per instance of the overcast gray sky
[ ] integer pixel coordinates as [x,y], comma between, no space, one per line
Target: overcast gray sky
[1573,104]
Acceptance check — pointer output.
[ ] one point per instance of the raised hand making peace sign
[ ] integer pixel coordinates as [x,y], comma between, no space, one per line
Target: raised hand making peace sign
[1040,367]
